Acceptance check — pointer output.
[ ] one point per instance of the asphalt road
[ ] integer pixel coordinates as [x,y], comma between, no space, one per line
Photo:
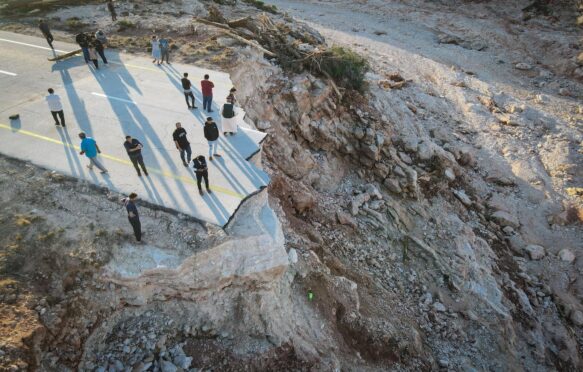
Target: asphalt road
[129,96]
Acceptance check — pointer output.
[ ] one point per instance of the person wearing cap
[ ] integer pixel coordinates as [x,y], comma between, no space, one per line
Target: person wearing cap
[133,215]
[231,97]
[201,172]
[90,149]
[187,88]
[211,133]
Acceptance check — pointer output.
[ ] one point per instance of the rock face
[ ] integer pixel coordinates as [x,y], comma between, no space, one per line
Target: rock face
[503,218]
[535,252]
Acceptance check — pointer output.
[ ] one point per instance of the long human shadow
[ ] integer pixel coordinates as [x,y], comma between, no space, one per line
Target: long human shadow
[77,104]
[244,165]
[72,156]
[136,124]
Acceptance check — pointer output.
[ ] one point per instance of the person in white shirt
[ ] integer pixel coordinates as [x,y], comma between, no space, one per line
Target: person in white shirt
[56,107]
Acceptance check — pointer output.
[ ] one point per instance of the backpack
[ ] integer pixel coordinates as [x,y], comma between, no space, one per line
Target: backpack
[228,111]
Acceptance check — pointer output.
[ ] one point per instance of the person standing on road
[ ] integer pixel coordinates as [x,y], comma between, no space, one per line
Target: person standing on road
[134,150]
[187,87]
[229,119]
[56,107]
[93,54]
[44,28]
[182,144]
[207,93]
[83,42]
[165,49]
[100,49]
[133,216]
[211,133]
[156,54]
[201,171]
[111,8]
[90,149]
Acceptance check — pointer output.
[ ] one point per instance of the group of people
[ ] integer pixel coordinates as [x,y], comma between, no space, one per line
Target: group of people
[92,45]
[160,49]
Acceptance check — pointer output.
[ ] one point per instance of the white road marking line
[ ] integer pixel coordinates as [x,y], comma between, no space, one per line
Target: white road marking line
[114,98]
[32,45]
[7,73]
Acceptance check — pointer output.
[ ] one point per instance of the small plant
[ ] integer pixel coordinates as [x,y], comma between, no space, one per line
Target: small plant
[74,23]
[262,6]
[346,67]
[125,24]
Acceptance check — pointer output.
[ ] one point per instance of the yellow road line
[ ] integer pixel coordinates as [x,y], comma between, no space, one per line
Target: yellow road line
[161,172]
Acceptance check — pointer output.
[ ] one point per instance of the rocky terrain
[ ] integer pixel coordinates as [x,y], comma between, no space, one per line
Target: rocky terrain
[434,217]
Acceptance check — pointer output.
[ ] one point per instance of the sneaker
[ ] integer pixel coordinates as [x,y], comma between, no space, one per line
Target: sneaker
[218,155]
[104,172]
[194,107]
[63,125]
[185,164]
[146,173]
[210,158]
[57,124]
[189,107]
[89,167]
[201,192]
[209,191]
[211,111]
[139,175]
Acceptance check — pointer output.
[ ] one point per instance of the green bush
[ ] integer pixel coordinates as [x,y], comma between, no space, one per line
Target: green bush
[261,5]
[74,23]
[346,67]
[125,24]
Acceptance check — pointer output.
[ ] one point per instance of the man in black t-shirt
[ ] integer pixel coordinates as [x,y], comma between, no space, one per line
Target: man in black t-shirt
[201,171]
[44,28]
[187,87]
[134,149]
[182,144]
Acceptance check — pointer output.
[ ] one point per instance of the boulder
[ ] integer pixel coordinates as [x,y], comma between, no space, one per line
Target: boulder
[503,218]
[535,252]
[576,318]
[303,201]
[405,158]
[523,66]
[463,197]
[345,219]
[566,255]
[449,174]
[393,185]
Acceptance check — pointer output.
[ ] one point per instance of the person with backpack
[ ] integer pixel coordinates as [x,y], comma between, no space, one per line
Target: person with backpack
[211,133]
[133,215]
[83,42]
[201,172]
[229,119]
[44,28]
[187,87]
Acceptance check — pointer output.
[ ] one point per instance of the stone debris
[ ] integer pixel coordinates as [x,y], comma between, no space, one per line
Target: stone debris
[566,255]
[535,252]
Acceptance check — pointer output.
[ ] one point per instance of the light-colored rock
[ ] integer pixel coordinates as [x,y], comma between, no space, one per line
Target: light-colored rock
[345,218]
[303,201]
[564,92]
[439,307]
[503,218]
[535,252]
[523,66]
[166,366]
[393,185]
[463,197]
[292,256]
[263,124]
[398,171]
[449,174]
[405,158]
[576,318]
[566,255]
